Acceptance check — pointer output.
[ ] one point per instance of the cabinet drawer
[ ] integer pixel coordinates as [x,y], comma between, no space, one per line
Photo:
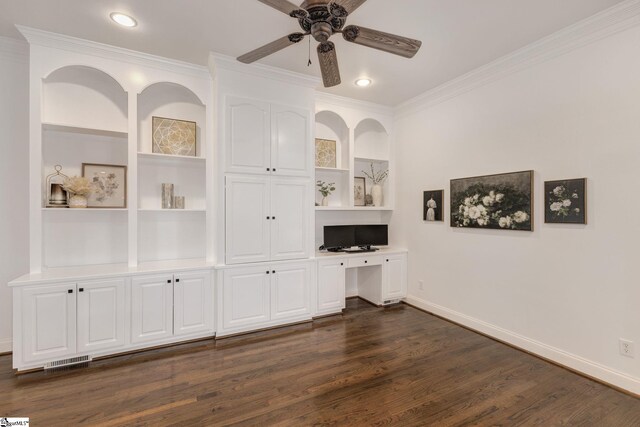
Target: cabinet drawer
[364,261]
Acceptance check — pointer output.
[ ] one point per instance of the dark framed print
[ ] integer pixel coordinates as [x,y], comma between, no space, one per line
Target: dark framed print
[173,137]
[359,191]
[501,202]
[109,184]
[565,201]
[433,205]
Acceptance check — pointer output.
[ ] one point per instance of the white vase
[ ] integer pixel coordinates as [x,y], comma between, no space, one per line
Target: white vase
[376,195]
[76,201]
[325,201]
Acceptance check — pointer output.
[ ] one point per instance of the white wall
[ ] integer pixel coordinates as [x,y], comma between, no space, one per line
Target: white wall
[14,175]
[565,292]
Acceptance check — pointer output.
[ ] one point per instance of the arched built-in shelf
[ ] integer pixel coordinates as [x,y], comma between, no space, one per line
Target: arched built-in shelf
[372,151]
[330,126]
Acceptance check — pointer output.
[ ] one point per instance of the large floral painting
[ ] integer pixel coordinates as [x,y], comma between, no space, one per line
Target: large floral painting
[565,201]
[108,184]
[501,202]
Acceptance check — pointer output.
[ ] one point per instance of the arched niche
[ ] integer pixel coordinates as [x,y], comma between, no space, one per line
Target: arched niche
[84,97]
[371,140]
[331,126]
[172,101]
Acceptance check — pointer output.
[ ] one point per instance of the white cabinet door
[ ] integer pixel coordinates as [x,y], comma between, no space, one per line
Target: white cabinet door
[245,299]
[248,219]
[101,315]
[151,308]
[331,286]
[394,277]
[248,136]
[193,303]
[48,322]
[290,141]
[290,208]
[290,291]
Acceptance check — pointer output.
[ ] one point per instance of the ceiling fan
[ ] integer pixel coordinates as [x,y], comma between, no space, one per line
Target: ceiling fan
[323,18]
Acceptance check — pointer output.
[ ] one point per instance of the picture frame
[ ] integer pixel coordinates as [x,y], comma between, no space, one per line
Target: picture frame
[565,201]
[326,153]
[109,185]
[359,191]
[433,206]
[174,137]
[499,201]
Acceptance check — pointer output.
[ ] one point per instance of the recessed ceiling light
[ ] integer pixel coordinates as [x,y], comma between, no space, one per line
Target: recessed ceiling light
[363,82]
[122,19]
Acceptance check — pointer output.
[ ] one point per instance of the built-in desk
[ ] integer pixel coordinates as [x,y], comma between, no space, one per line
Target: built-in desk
[379,277]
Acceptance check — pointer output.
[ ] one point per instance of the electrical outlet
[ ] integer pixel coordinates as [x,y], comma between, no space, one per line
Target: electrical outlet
[421,285]
[626,348]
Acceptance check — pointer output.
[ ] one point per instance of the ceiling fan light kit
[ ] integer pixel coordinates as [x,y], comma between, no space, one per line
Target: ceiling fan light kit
[323,18]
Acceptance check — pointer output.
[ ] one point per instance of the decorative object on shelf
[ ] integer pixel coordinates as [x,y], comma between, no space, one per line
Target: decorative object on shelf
[174,137]
[57,196]
[109,183]
[167,196]
[368,200]
[378,179]
[325,153]
[178,202]
[565,201]
[79,189]
[502,202]
[359,191]
[433,205]
[325,189]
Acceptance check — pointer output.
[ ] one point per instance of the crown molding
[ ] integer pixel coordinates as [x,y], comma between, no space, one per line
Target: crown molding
[342,101]
[225,62]
[87,47]
[618,18]
[13,49]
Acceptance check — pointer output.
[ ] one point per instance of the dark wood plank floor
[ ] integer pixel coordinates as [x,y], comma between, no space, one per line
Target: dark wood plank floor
[371,366]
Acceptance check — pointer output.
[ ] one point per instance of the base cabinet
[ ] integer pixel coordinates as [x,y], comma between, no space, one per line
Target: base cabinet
[101,315]
[263,296]
[151,308]
[394,277]
[331,286]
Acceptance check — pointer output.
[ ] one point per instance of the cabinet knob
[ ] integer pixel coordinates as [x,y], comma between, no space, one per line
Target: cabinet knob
[268,217]
[169,281]
[273,217]
[274,272]
[274,169]
[268,272]
[177,280]
[342,263]
[268,169]
[70,291]
[365,261]
[387,260]
[81,290]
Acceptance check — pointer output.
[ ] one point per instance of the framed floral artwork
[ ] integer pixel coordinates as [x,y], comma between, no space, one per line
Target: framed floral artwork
[433,205]
[359,191]
[565,201]
[325,153]
[109,184]
[500,202]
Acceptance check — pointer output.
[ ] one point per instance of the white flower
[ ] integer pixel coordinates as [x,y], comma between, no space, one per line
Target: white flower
[520,217]
[492,194]
[558,190]
[482,209]
[482,222]
[468,201]
[566,203]
[555,207]
[486,200]
[576,210]
[466,222]
[574,195]
[461,209]
[505,222]
[499,197]
[476,198]
[474,212]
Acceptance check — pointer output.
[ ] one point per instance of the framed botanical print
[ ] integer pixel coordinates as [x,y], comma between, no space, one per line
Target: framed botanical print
[109,184]
[359,191]
[565,201]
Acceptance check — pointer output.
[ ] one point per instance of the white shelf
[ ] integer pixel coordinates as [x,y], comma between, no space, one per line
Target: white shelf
[365,159]
[171,210]
[354,208]
[332,170]
[59,127]
[170,158]
[85,209]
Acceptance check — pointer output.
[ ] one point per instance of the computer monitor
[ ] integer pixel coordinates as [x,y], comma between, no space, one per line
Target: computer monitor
[369,235]
[339,236]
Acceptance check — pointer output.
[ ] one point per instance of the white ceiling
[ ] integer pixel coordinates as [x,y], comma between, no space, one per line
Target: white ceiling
[458,35]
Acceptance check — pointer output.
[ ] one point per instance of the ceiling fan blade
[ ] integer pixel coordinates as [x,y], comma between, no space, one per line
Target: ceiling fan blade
[270,48]
[285,6]
[391,43]
[349,5]
[329,64]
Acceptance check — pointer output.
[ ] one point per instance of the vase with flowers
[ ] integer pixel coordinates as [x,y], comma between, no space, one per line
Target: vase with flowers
[325,189]
[378,179]
[79,189]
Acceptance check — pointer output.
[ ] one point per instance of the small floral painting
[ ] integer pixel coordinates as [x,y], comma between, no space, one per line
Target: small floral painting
[109,185]
[501,202]
[565,201]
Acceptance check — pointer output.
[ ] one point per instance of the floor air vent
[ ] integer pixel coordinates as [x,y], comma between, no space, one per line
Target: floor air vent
[391,301]
[67,362]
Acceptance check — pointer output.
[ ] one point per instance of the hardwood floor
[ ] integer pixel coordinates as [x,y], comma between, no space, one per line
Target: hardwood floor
[371,366]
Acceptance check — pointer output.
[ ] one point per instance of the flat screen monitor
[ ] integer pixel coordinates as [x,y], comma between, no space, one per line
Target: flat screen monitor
[369,235]
[339,236]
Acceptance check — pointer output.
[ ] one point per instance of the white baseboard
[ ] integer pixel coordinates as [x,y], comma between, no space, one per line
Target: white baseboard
[5,346]
[561,357]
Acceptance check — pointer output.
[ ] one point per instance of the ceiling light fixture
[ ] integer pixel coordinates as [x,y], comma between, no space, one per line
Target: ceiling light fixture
[363,82]
[122,19]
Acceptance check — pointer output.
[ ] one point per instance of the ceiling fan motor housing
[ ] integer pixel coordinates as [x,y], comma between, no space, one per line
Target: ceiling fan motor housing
[331,15]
